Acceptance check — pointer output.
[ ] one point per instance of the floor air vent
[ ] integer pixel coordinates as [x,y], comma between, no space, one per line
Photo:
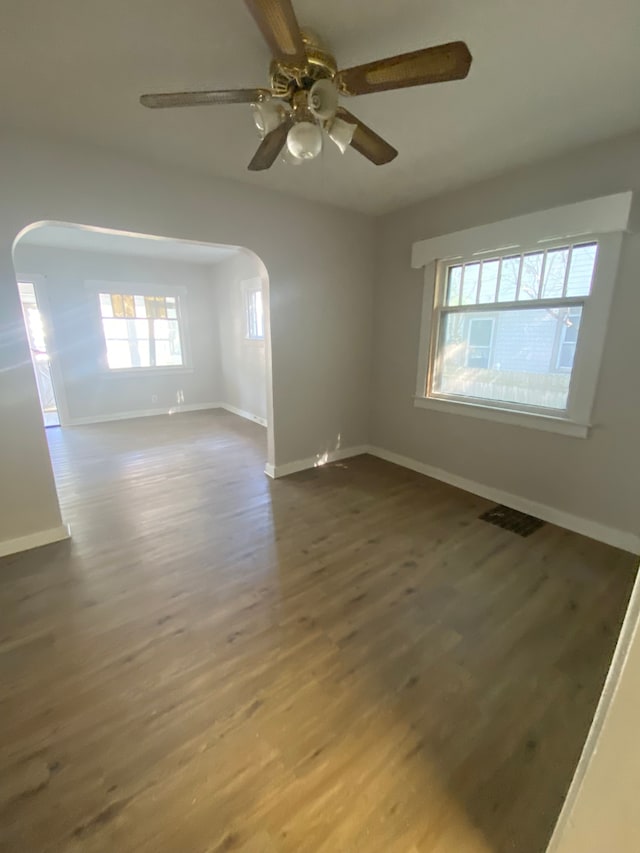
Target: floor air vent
[511,519]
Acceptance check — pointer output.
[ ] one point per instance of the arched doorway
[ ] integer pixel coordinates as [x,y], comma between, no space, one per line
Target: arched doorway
[136,325]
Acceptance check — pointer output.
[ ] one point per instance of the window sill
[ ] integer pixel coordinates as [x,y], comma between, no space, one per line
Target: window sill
[531,420]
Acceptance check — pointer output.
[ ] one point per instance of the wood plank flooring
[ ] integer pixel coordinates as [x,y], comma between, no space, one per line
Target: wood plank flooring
[344,661]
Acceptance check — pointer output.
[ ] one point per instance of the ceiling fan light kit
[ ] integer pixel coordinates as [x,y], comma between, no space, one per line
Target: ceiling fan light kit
[304,140]
[302,103]
[268,115]
[341,132]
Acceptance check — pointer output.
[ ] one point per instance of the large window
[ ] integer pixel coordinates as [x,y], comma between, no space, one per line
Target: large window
[515,313]
[141,331]
[507,328]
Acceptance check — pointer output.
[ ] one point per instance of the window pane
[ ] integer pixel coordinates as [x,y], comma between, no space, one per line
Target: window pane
[516,356]
[140,356]
[489,281]
[453,286]
[479,338]
[141,309]
[509,279]
[167,340]
[470,276]
[480,331]
[530,278]
[118,354]
[583,261]
[254,315]
[565,358]
[129,305]
[168,354]
[115,329]
[570,319]
[161,329]
[259,315]
[554,273]
[126,332]
[105,305]
[117,305]
[155,306]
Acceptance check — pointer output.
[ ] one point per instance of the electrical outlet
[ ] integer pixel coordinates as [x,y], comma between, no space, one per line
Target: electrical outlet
[154,398]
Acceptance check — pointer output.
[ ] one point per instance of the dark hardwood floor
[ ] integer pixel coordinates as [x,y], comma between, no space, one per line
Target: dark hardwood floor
[343,661]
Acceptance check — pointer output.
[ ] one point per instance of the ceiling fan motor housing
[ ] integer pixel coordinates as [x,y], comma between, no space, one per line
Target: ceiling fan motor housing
[320,65]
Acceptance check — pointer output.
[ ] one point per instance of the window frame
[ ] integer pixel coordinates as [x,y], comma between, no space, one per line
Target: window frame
[179,293]
[249,288]
[575,419]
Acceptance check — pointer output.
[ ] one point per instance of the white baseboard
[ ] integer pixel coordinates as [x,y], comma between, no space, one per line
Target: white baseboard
[173,410]
[314,461]
[34,540]
[593,529]
[241,413]
[142,413]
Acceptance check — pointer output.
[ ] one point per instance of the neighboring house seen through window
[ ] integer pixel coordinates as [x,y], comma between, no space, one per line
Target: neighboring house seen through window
[141,331]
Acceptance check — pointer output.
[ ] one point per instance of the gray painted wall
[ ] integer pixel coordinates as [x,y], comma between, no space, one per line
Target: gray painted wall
[243,364]
[320,268]
[90,389]
[597,478]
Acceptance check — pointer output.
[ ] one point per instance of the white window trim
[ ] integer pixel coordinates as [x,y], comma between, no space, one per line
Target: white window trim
[609,218]
[96,287]
[39,283]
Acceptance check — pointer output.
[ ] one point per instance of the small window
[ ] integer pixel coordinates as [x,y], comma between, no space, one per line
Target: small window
[506,329]
[141,331]
[254,314]
[479,337]
[569,338]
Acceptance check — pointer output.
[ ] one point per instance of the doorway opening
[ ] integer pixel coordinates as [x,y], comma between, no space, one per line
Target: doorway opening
[40,356]
[125,325]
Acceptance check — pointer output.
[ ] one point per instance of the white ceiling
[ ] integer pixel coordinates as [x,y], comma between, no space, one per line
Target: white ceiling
[89,239]
[547,76]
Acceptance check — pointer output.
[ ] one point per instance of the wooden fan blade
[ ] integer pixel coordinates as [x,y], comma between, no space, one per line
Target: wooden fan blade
[431,65]
[367,142]
[277,22]
[270,147]
[200,99]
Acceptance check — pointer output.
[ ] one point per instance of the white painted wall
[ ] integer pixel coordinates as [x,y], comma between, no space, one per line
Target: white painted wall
[597,479]
[321,367]
[600,813]
[89,389]
[243,364]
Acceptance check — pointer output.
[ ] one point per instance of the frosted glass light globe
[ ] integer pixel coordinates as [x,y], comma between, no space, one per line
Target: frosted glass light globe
[267,116]
[341,132]
[304,140]
[289,159]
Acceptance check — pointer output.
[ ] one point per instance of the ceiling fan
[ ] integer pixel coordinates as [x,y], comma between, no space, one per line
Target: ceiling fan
[305,83]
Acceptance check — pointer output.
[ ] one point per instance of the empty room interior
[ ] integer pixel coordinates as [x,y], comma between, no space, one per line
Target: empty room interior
[319,518]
